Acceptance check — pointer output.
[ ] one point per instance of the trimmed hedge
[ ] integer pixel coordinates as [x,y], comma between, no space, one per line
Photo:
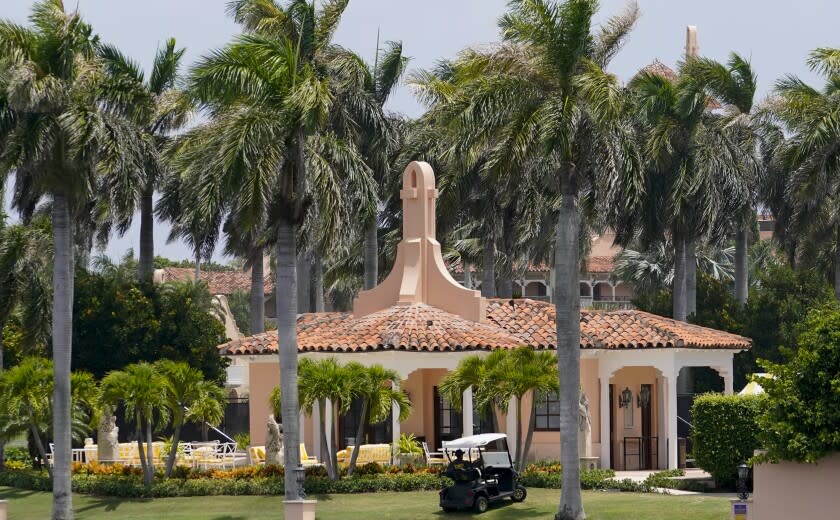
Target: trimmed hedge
[725,433]
[131,486]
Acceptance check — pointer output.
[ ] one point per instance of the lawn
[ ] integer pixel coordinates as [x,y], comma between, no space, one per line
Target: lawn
[541,503]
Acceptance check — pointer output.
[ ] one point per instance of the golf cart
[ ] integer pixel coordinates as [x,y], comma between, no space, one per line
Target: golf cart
[482,469]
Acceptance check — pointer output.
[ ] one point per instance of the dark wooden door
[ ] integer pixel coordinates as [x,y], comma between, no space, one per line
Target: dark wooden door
[647,440]
[612,429]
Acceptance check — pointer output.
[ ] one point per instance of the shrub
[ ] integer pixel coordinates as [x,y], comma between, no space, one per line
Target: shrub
[725,433]
[802,420]
[18,454]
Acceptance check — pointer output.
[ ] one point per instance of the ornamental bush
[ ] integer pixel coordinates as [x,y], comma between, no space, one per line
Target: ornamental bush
[802,422]
[725,433]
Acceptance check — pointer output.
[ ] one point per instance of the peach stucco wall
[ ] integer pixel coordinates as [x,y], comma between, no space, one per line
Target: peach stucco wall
[790,490]
[263,378]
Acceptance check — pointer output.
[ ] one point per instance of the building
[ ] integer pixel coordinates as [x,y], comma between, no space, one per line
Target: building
[421,322]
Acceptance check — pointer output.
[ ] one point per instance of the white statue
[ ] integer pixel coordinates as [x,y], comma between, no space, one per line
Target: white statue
[273,442]
[585,425]
[107,435]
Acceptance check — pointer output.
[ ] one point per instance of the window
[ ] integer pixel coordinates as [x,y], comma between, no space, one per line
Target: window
[548,413]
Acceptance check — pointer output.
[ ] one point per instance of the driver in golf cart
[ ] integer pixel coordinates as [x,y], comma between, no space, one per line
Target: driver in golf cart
[486,476]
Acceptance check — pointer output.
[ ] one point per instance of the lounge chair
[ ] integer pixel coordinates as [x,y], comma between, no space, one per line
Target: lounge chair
[305,459]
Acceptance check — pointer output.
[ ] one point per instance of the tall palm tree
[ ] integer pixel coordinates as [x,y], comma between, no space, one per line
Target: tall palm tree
[696,174]
[812,159]
[734,85]
[274,84]
[158,107]
[140,388]
[374,385]
[59,142]
[544,93]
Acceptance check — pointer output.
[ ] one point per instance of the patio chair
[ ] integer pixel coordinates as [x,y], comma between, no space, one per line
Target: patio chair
[433,457]
[305,459]
[257,454]
[51,454]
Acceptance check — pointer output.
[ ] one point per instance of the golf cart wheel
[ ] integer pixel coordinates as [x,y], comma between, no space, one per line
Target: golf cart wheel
[519,494]
[481,504]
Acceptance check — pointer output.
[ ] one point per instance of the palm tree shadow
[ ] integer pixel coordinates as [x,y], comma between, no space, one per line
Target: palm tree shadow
[108,503]
[15,494]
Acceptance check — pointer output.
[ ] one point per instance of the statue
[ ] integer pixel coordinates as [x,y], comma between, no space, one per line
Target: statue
[107,435]
[273,443]
[585,426]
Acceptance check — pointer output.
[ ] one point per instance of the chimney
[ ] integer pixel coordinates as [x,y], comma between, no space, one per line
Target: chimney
[691,47]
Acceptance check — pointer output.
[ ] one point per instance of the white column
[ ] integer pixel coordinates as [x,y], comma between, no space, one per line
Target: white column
[467,411]
[673,442]
[316,430]
[727,383]
[604,378]
[395,417]
[510,424]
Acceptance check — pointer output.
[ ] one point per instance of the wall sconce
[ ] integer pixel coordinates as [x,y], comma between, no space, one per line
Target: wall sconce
[626,398]
[644,397]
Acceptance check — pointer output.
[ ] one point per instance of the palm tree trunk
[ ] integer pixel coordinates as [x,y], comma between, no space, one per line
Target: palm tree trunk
[334,435]
[257,298]
[837,266]
[145,265]
[197,266]
[325,448]
[62,336]
[488,266]
[529,437]
[286,305]
[679,301]
[304,298]
[467,275]
[36,437]
[150,454]
[567,310]
[2,325]
[690,277]
[141,452]
[318,282]
[173,451]
[741,270]
[371,254]
[360,432]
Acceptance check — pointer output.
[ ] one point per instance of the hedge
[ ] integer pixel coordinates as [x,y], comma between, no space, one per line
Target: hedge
[724,433]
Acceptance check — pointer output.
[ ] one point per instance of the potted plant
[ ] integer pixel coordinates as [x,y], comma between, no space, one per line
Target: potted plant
[408,450]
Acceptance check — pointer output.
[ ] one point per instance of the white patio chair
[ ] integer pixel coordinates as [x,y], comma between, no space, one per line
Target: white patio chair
[433,457]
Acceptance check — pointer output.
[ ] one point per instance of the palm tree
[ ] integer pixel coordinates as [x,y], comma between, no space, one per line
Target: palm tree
[734,85]
[26,405]
[182,386]
[811,158]
[59,141]
[374,385]
[139,387]
[544,93]
[158,107]
[696,174]
[208,409]
[471,372]
[273,85]
[319,382]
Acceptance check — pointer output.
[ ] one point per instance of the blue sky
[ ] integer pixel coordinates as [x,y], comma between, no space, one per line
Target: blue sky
[775,34]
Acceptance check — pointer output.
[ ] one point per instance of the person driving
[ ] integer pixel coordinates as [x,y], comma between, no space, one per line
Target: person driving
[460,469]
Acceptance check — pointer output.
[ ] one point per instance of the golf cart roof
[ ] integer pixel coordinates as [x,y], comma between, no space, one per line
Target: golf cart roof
[474,441]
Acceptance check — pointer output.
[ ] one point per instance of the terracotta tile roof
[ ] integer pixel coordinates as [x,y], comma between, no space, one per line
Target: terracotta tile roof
[599,264]
[416,327]
[219,282]
[533,322]
[660,69]
[526,322]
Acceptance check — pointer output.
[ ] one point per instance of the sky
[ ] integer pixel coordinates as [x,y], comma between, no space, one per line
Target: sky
[776,35]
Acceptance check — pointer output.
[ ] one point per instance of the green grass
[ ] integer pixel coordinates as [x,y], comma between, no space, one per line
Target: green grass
[541,503]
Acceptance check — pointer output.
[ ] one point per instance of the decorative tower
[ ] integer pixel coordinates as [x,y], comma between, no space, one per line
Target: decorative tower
[419,274]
